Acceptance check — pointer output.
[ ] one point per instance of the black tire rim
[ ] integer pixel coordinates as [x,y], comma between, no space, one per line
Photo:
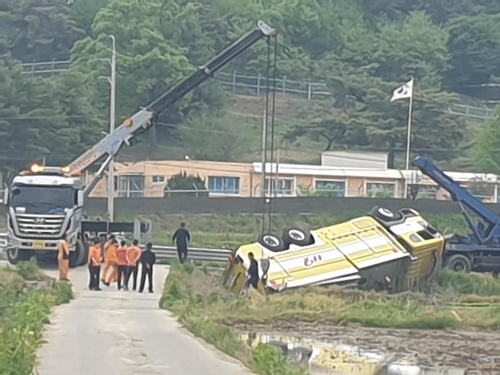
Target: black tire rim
[459,266]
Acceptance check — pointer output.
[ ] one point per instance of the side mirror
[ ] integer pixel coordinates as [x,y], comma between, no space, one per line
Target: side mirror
[6,195]
[79,198]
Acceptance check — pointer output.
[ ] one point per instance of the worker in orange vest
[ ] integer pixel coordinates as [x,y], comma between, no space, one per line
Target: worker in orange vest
[110,263]
[95,259]
[63,259]
[121,261]
[133,256]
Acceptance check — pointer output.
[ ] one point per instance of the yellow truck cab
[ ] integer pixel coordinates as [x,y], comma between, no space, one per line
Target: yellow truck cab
[381,251]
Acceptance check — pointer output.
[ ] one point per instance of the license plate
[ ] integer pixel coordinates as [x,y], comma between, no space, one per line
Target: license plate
[38,244]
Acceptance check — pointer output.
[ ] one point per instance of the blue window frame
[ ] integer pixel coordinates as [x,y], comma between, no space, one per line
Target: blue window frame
[224,185]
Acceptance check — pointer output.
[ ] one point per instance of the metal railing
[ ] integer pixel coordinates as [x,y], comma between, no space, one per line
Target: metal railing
[242,84]
[198,254]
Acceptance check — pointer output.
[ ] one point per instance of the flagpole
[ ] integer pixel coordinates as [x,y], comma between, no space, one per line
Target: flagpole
[408,140]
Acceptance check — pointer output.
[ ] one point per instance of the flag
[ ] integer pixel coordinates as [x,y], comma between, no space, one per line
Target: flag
[403,92]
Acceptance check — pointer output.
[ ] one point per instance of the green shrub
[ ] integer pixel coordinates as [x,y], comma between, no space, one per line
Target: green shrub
[28,270]
[23,318]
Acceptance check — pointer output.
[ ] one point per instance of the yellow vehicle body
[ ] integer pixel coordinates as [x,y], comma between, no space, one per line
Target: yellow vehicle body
[363,252]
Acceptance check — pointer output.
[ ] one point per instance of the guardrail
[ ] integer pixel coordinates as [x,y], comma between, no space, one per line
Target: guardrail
[166,252]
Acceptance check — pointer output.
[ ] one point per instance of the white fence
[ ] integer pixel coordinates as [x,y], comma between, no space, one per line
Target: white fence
[242,84]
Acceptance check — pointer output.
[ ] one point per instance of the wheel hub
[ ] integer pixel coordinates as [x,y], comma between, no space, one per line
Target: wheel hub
[385,212]
[296,235]
[270,240]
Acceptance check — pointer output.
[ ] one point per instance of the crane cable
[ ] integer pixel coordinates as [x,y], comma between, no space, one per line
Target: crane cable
[273,115]
[265,206]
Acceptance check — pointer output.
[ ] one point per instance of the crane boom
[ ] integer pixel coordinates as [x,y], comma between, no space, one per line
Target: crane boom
[144,119]
[465,199]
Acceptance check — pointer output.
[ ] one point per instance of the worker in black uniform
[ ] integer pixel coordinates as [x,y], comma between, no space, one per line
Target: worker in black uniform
[182,239]
[148,260]
[253,272]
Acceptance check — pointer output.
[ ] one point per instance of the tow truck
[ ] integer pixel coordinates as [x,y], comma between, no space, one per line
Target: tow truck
[480,250]
[46,203]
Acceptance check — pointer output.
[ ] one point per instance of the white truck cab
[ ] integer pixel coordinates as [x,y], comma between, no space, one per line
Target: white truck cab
[44,204]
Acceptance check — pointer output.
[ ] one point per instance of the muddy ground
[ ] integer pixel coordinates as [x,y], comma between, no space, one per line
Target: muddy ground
[478,352]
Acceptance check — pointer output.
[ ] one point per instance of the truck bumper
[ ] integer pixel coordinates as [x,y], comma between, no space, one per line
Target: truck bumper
[34,245]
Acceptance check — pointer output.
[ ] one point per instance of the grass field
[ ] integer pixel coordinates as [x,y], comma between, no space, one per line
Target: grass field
[230,231]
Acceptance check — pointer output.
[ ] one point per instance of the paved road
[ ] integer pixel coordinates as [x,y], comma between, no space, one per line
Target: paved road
[124,333]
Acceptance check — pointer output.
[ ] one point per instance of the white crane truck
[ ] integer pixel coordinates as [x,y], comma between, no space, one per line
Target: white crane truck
[46,203]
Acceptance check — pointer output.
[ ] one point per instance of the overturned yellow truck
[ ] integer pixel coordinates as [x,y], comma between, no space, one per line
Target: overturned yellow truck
[385,250]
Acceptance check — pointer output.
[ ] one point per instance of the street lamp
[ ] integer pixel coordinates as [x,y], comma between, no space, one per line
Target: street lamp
[112,82]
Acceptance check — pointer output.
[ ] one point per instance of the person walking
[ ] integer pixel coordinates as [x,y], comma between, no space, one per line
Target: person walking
[182,237]
[148,260]
[95,259]
[121,262]
[133,256]
[110,263]
[63,259]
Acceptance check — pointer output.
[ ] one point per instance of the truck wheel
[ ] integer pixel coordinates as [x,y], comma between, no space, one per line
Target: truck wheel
[81,257]
[15,256]
[294,236]
[385,214]
[85,253]
[458,263]
[75,257]
[271,242]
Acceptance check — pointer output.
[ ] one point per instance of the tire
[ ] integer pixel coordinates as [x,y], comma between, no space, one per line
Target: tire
[385,214]
[294,236]
[271,242]
[15,256]
[82,258]
[458,263]
[76,256]
[85,253]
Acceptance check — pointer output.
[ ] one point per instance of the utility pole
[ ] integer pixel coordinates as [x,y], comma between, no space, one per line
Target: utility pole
[111,175]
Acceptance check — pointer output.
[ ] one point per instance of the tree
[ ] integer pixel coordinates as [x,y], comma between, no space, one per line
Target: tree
[475,48]
[486,151]
[84,12]
[41,118]
[364,117]
[38,30]
[212,136]
[185,184]
[151,57]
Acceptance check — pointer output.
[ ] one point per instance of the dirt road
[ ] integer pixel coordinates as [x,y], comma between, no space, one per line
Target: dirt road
[124,333]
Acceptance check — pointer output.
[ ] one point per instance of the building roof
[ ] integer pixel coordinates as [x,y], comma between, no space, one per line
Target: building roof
[413,176]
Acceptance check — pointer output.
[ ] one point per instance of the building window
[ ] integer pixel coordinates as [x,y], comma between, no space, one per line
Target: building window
[427,192]
[158,179]
[224,185]
[381,189]
[130,186]
[329,188]
[282,187]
